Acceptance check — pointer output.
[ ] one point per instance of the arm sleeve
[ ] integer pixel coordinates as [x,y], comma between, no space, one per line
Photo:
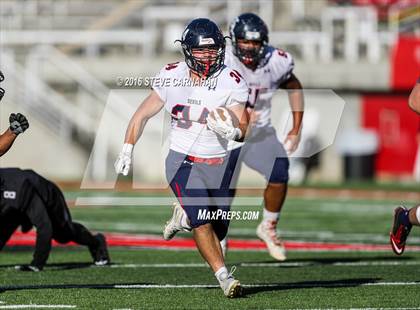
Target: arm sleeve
[38,215]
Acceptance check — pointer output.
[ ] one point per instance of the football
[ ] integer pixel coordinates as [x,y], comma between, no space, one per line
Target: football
[222,111]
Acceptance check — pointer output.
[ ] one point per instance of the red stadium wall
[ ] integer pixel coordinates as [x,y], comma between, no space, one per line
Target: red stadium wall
[397,127]
[405,63]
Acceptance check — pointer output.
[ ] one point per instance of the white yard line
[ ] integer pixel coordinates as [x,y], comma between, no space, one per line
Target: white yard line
[360,309]
[358,264]
[284,264]
[153,201]
[278,285]
[159,265]
[34,306]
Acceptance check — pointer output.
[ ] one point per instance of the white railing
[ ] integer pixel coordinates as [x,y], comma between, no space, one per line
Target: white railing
[360,27]
[84,114]
[162,19]
[313,45]
[58,113]
[38,97]
[146,39]
[47,14]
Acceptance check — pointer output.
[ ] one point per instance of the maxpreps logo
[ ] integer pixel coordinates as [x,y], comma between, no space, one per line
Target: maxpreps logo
[9,195]
[204,214]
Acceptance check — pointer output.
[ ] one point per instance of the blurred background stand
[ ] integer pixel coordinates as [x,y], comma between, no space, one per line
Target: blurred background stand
[359,148]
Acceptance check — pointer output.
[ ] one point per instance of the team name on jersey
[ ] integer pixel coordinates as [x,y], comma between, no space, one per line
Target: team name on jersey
[194,101]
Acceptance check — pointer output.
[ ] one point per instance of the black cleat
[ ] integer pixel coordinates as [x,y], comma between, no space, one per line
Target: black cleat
[100,253]
[400,230]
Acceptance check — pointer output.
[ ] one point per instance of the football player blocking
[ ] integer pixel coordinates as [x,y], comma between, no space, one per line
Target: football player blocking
[27,199]
[198,166]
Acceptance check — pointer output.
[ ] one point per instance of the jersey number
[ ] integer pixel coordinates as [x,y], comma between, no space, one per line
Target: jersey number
[281,53]
[171,66]
[236,75]
[181,113]
[253,97]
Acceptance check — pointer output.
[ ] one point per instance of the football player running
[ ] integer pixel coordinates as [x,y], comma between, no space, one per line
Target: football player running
[197,167]
[17,125]
[265,69]
[404,218]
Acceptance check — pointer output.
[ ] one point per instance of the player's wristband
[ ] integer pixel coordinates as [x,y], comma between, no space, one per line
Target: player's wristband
[127,148]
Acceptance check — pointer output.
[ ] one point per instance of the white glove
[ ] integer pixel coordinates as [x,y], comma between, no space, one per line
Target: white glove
[291,143]
[288,147]
[123,162]
[224,128]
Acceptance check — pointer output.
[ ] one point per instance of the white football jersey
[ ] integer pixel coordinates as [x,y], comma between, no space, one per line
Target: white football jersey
[274,69]
[189,106]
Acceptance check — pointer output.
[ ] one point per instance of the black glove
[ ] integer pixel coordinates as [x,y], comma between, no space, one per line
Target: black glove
[28,268]
[18,123]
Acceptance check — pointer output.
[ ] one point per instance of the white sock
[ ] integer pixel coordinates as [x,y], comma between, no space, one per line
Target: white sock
[270,216]
[220,272]
[418,214]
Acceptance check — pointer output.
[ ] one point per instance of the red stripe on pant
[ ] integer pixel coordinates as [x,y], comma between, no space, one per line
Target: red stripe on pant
[178,192]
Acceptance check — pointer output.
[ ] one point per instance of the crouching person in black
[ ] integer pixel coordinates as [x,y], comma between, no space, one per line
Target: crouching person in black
[27,199]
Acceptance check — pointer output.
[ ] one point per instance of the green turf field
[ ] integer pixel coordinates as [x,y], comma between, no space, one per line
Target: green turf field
[150,278]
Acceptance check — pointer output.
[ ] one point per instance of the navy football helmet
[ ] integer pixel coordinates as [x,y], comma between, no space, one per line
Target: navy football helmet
[203,33]
[251,27]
